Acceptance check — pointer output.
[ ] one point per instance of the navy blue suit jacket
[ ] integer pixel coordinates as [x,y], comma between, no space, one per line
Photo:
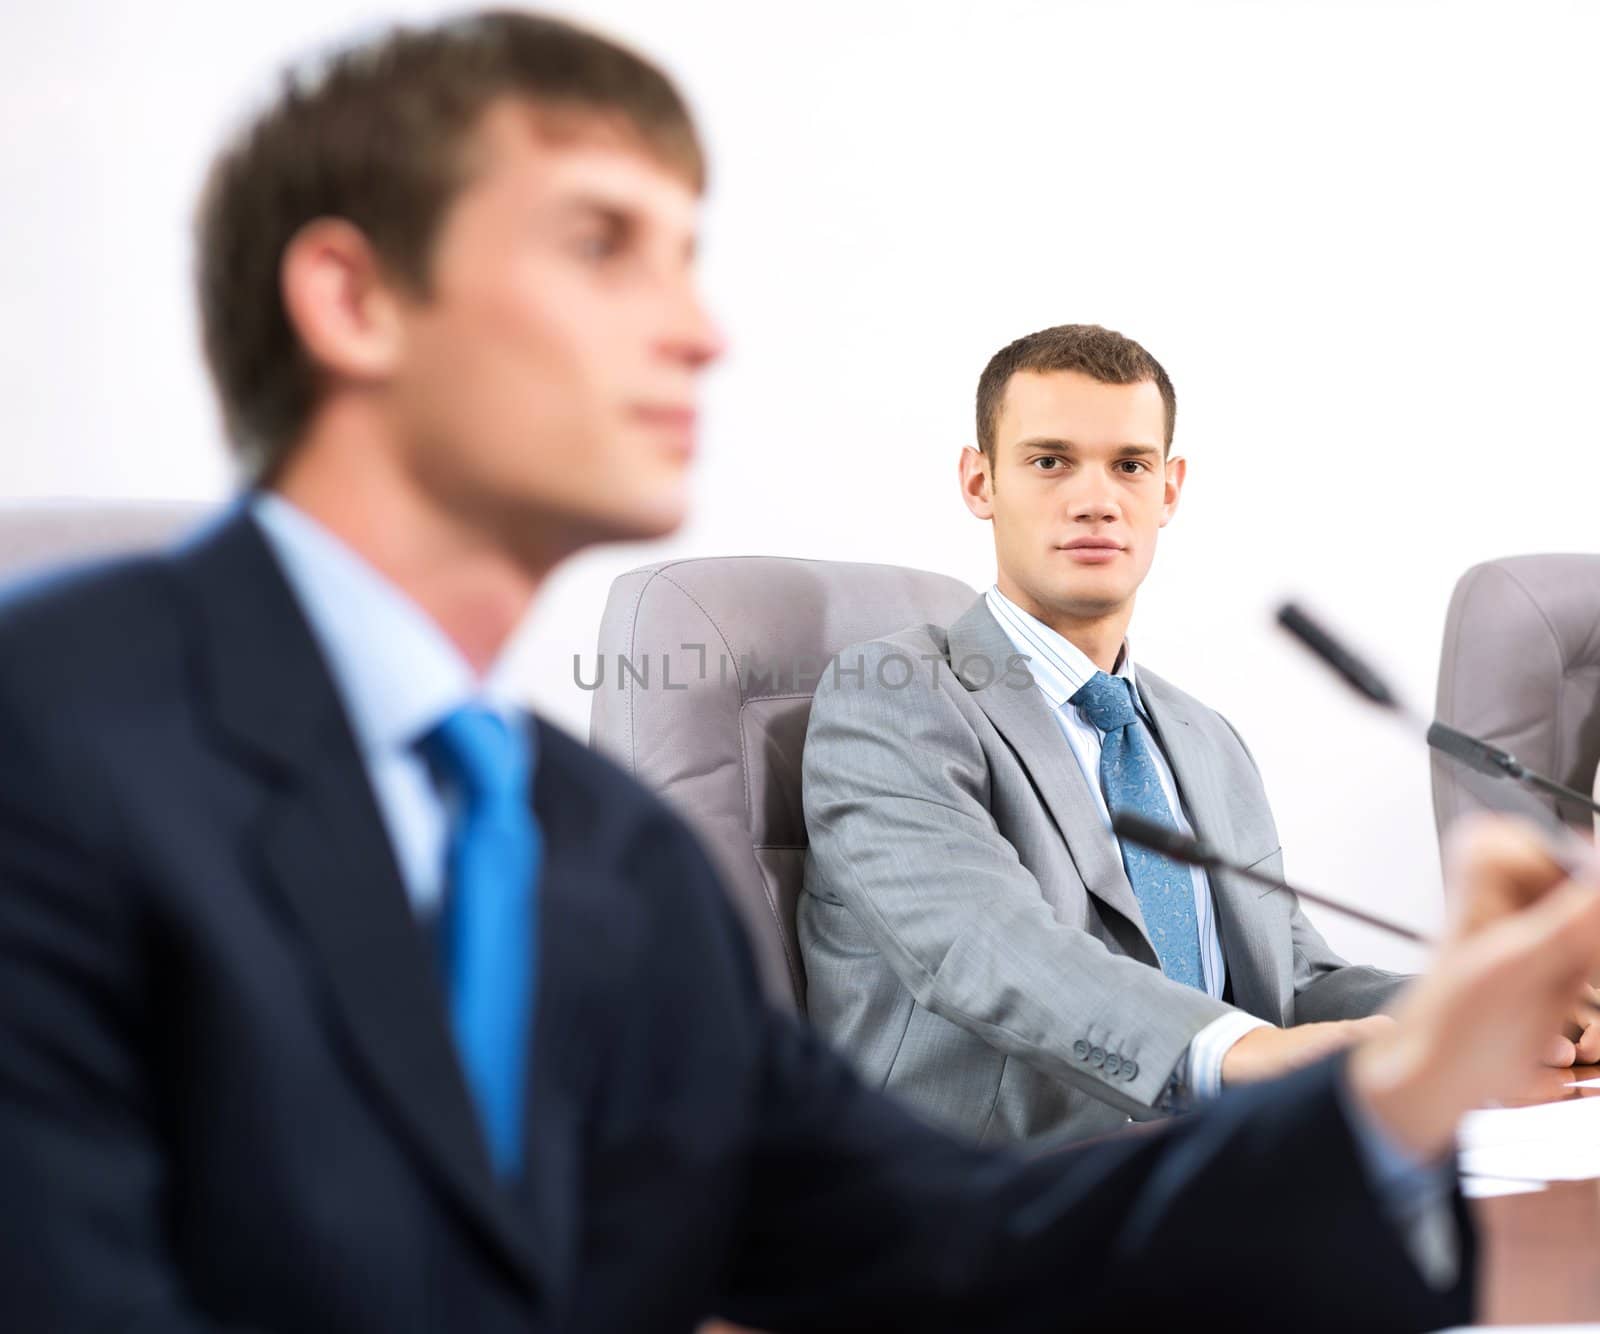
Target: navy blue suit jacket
[229,1101]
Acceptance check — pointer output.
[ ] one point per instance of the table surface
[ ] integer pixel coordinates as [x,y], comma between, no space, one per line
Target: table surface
[1539,1250]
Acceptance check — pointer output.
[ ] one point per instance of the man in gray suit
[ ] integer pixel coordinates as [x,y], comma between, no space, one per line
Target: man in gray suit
[974,936]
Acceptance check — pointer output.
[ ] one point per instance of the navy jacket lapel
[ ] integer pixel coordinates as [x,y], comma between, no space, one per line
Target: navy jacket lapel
[323,849]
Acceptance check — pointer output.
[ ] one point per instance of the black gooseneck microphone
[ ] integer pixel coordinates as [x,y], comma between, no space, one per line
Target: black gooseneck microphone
[1358,675]
[1460,746]
[1191,851]
[1497,763]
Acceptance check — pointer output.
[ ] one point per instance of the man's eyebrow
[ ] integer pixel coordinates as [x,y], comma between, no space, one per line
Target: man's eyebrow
[1055,445]
[606,205]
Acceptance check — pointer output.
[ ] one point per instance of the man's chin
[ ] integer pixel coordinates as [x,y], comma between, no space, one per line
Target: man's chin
[1085,604]
[645,522]
[543,537]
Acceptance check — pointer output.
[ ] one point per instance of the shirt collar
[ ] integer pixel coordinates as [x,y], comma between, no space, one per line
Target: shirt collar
[396,670]
[1059,666]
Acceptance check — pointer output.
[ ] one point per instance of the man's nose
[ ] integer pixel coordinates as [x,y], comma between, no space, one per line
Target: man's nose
[693,337]
[1093,501]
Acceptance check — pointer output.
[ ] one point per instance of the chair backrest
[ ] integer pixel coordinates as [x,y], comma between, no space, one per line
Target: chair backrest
[1521,669]
[705,675]
[35,535]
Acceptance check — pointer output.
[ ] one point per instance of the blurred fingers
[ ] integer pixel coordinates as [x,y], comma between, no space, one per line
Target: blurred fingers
[1588,1044]
[1496,865]
[1559,1052]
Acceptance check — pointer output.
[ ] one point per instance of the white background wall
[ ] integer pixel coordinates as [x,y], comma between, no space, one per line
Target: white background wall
[1361,237]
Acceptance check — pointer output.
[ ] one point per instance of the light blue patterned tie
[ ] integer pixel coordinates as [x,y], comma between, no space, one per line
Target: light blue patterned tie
[490,920]
[1131,782]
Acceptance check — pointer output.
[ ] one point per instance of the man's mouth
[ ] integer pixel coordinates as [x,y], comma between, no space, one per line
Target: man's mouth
[675,423]
[1092,550]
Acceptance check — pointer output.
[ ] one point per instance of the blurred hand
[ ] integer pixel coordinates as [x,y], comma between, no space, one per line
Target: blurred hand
[1512,969]
[1265,1053]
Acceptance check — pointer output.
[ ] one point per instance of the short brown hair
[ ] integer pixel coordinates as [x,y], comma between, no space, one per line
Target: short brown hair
[377,134]
[1089,349]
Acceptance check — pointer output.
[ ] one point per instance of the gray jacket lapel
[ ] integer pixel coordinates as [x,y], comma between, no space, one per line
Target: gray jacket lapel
[1247,950]
[1022,716]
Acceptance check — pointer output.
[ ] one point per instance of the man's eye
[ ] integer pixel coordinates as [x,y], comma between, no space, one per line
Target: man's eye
[1048,463]
[1132,466]
[599,245]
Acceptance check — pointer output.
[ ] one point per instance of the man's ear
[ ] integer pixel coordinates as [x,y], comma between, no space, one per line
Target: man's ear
[344,312]
[977,482]
[1176,470]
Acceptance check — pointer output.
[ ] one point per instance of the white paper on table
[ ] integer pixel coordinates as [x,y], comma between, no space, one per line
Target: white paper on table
[1571,1121]
[1534,1161]
[1584,1084]
[1550,1141]
[1483,1188]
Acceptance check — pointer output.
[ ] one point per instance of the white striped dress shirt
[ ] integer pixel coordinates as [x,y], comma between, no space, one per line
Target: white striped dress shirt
[1059,669]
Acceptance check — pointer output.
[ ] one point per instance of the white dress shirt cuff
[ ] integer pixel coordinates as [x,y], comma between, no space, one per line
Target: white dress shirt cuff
[1202,1077]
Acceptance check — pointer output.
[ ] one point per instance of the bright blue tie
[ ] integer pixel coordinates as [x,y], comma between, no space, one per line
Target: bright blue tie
[1131,782]
[490,920]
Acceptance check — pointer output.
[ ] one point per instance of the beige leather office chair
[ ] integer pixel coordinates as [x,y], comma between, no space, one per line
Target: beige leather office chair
[707,670]
[36,535]
[1521,668]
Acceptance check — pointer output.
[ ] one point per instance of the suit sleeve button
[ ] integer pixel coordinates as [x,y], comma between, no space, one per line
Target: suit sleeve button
[1113,1063]
[1080,1049]
[1097,1056]
[1130,1070]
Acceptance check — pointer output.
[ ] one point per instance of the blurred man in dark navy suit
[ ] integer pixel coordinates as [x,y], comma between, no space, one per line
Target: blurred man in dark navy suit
[337,995]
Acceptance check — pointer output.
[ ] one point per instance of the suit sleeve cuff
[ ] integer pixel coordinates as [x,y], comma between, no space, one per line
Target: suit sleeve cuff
[1200,1070]
[1416,1194]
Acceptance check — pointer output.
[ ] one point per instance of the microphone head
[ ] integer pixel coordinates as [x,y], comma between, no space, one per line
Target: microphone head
[1475,754]
[1160,838]
[1357,674]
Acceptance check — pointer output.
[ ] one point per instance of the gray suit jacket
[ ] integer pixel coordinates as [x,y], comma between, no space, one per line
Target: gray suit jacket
[970,937]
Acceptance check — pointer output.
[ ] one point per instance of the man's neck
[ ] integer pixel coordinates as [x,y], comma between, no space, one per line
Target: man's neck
[1099,637]
[465,580]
